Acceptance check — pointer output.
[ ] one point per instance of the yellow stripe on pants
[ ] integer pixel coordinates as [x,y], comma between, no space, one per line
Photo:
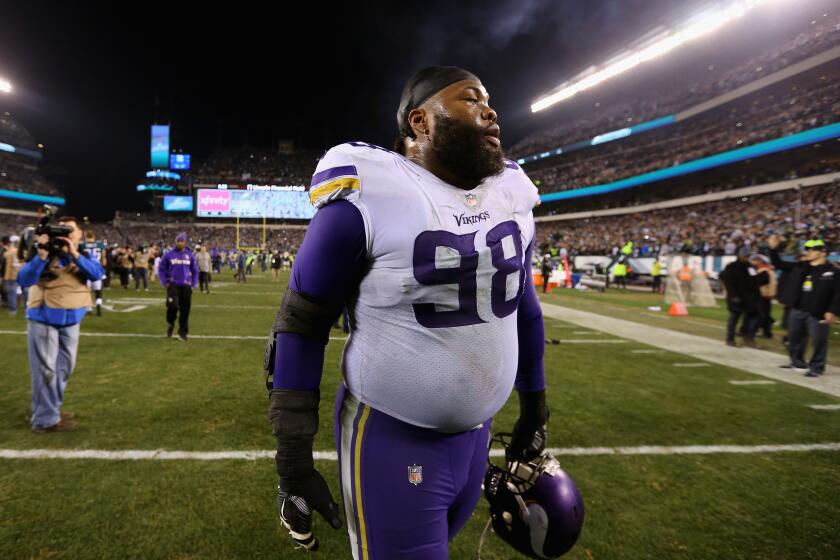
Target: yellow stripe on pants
[358,480]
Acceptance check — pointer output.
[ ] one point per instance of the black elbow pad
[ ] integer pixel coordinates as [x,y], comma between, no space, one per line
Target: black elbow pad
[299,314]
[303,315]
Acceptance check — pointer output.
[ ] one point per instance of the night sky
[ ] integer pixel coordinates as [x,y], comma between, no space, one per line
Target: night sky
[90,79]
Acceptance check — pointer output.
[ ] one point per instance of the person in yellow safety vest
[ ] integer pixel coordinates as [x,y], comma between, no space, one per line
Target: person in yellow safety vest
[620,275]
[627,249]
[656,272]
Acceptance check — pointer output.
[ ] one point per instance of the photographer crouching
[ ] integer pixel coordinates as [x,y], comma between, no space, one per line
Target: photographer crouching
[58,300]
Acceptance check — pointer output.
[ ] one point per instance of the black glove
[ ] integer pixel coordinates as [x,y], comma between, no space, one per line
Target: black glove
[294,418]
[295,505]
[529,432]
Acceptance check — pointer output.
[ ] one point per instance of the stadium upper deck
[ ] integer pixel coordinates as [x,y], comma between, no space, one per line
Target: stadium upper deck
[686,89]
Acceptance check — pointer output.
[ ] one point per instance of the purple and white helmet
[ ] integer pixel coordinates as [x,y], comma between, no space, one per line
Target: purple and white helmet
[534,506]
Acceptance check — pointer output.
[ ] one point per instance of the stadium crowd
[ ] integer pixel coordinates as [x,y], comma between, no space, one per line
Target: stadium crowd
[257,165]
[762,116]
[126,236]
[715,228]
[19,172]
[711,228]
[688,91]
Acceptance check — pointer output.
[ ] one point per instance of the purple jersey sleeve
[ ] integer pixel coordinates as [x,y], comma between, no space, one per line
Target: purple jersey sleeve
[328,268]
[530,374]
[163,270]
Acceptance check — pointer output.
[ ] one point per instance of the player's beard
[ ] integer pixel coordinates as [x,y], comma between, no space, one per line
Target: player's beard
[463,149]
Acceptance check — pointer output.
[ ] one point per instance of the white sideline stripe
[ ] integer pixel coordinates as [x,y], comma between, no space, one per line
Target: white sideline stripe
[824,406]
[164,455]
[192,336]
[646,351]
[691,364]
[585,332]
[737,382]
[751,360]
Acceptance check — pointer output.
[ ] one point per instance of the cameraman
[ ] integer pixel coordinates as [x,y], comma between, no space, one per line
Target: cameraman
[58,300]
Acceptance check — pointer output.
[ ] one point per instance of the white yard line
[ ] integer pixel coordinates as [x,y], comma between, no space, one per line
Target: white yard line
[647,351]
[192,336]
[592,341]
[166,455]
[277,293]
[160,301]
[760,362]
[216,306]
[824,406]
[690,364]
[739,382]
[263,337]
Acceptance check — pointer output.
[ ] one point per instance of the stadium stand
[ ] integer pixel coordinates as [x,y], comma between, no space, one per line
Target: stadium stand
[257,165]
[216,236]
[796,105]
[820,37]
[21,171]
[712,228]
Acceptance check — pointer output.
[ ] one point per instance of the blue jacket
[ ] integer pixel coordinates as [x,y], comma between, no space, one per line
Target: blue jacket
[178,268]
[31,272]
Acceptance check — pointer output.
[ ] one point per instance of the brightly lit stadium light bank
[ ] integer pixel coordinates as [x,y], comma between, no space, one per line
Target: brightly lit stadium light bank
[649,48]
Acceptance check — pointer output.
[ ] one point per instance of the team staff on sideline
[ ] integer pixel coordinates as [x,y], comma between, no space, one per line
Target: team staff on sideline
[276,264]
[141,269]
[179,275]
[742,297]
[10,268]
[813,288]
[204,267]
[58,300]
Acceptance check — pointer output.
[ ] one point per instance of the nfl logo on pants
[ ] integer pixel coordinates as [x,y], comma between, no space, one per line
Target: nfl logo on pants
[415,474]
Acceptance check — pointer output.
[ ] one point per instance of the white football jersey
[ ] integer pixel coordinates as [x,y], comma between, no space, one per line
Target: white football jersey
[435,339]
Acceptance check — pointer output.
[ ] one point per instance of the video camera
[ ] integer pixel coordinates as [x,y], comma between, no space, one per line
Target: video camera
[55,232]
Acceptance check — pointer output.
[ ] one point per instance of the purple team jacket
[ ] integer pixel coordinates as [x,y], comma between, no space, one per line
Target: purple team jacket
[178,268]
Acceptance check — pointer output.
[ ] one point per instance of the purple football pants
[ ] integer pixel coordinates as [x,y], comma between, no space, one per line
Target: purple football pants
[407,490]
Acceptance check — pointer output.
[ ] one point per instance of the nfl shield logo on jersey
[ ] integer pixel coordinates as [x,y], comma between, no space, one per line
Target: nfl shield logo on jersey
[470,200]
[415,474]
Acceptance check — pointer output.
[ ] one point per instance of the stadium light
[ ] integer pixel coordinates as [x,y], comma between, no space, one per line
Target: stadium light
[701,24]
[5,85]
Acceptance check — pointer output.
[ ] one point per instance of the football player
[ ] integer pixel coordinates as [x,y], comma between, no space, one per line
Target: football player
[96,251]
[429,248]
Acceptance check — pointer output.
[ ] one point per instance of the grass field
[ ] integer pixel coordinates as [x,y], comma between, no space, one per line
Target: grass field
[147,393]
